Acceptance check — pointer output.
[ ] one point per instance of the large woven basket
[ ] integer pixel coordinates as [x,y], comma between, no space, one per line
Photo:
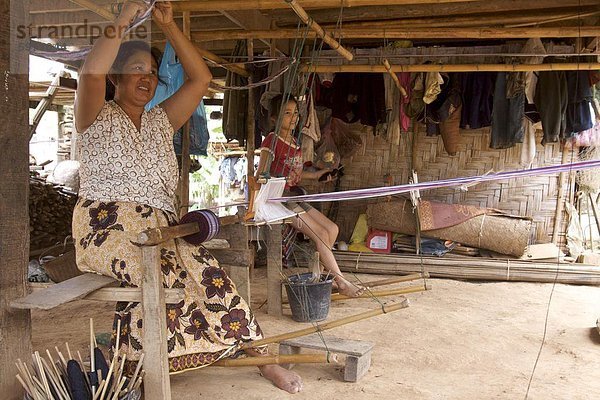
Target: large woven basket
[60,263]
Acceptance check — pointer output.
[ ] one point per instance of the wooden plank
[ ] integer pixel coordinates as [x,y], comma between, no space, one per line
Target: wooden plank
[332,344]
[236,257]
[541,251]
[15,325]
[172,296]
[157,385]
[274,270]
[62,293]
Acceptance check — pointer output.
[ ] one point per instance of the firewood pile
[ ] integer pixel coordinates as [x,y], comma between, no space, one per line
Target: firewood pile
[50,213]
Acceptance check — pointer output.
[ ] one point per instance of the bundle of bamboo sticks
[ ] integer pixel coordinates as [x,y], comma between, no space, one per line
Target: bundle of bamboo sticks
[61,379]
[477,268]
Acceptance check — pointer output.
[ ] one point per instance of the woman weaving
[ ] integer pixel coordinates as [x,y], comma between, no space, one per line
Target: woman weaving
[286,161]
[128,180]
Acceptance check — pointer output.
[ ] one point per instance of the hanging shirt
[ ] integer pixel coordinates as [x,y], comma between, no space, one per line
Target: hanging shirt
[287,159]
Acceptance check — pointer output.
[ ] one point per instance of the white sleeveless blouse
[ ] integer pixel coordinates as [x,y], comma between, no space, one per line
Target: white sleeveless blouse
[120,163]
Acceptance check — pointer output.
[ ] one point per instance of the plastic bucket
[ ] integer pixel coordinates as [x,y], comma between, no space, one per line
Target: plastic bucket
[309,301]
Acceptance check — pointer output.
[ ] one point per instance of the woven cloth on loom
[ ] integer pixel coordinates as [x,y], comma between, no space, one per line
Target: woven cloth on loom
[477,227]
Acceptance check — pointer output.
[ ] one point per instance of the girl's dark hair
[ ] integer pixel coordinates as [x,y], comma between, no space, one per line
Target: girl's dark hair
[127,50]
[276,103]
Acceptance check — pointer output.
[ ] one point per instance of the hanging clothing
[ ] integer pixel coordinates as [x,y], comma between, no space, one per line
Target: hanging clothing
[235,102]
[433,86]
[477,89]
[359,97]
[508,113]
[579,111]
[311,132]
[172,73]
[212,319]
[551,101]
[392,108]
[405,79]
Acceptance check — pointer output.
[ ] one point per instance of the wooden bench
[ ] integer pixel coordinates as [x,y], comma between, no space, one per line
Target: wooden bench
[358,360]
[152,295]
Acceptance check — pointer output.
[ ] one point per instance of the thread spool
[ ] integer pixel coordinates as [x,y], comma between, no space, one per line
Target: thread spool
[208,223]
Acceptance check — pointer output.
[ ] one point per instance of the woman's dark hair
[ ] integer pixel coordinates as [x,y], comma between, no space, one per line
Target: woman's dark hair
[127,50]
[276,103]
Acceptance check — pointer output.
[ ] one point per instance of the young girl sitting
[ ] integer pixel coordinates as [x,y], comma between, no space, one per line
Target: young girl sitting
[287,162]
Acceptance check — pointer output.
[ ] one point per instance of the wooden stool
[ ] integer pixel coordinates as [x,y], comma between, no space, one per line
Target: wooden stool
[358,352]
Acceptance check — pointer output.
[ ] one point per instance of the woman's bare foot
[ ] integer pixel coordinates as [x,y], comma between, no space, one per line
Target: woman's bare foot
[348,289]
[282,378]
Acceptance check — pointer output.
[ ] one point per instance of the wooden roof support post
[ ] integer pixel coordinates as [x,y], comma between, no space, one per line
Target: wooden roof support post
[184,180]
[251,124]
[15,325]
[326,37]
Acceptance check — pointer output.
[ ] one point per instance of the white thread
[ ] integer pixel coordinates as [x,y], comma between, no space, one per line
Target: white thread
[481,231]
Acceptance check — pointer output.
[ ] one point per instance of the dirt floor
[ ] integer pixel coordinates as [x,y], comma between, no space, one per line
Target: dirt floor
[461,340]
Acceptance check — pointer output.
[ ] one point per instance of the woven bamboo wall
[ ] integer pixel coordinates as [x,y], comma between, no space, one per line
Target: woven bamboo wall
[535,197]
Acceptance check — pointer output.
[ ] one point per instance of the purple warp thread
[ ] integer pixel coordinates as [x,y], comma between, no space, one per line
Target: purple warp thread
[208,223]
[394,190]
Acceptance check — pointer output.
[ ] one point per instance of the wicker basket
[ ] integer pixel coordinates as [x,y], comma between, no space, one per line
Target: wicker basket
[60,263]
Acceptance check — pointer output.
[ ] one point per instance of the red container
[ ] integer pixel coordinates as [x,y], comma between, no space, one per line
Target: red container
[379,241]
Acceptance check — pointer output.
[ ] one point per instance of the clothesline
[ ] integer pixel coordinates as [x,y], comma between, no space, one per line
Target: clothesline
[394,190]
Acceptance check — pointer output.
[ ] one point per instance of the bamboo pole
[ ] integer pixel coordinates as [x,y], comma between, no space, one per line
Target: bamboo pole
[382,293]
[486,19]
[92,6]
[452,67]
[237,68]
[326,326]
[471,268]
[560,201]
[154,236]
[391,281]
[235,5]
[388,68]
[320,32]
[401,33]
[277,359]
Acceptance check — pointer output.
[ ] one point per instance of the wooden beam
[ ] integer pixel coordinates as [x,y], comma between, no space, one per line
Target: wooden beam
[215,5]
[498,7]
[408,33]
[451,67]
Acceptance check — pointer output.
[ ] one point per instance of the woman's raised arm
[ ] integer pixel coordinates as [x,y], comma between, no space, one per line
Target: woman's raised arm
[91,88]
[182,104]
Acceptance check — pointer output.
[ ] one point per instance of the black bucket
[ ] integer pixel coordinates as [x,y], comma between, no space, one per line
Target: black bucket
[309,301]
